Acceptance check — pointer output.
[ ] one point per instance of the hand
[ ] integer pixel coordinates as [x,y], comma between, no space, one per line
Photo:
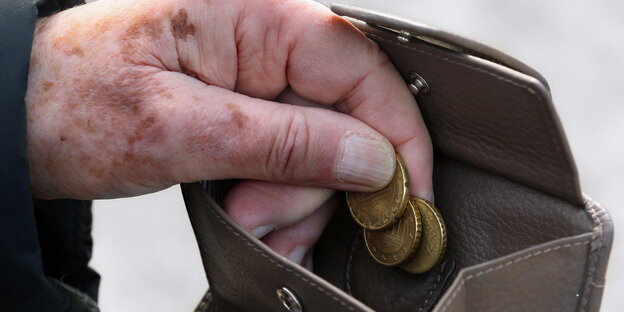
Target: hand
[127,98]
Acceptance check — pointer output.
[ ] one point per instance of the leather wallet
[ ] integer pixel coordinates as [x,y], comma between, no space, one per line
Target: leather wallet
[521,235]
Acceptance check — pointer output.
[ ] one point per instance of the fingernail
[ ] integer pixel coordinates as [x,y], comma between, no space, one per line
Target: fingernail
[366,161]
[297,254]
[262,230]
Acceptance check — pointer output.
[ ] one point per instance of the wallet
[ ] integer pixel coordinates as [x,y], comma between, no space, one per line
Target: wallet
[521,234]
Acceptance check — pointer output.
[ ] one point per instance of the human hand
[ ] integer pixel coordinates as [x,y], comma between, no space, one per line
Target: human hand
[127,98]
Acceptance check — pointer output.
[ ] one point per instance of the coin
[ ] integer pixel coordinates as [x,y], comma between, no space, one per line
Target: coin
[378,210]
[433,241]
[397,243]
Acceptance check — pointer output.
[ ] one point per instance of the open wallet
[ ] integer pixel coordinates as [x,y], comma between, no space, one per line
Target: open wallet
[521,234]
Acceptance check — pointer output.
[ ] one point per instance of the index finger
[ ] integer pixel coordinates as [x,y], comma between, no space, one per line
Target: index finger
[327,60]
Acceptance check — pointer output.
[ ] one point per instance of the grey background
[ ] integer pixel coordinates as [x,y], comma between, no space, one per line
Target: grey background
[144,246]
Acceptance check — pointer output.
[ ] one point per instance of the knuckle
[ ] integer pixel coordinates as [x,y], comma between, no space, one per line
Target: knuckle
[290,147]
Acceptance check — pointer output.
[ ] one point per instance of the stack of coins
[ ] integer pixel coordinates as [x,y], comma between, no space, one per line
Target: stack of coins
[399,230]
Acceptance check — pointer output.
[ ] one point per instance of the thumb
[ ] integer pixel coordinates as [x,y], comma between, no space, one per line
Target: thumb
[220,134]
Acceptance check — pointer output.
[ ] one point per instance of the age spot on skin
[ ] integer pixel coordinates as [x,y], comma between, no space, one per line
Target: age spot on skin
[68,46]
[180,26]
[90,127]
[47,85]
[133,159]
[166,94]
[238,117]
[145,26]
[140,130]
[130,101]
[104,25]
[97,172]
[77,51]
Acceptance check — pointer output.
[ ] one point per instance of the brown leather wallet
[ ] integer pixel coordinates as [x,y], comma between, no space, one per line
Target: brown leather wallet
[521,235]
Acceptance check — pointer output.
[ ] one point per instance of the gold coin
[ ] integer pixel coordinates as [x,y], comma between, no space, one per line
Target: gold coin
[433,241]
[397,243]
[378,210]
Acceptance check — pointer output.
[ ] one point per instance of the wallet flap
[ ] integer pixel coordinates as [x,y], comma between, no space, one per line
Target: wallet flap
[545,277]
[244,272]
[488,115]
[436,36]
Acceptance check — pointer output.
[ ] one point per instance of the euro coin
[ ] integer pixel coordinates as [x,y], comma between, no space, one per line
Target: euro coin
[397,243]
[433,241]
[381,209]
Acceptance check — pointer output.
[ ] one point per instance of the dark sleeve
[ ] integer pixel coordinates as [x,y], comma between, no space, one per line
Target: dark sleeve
[23,286]
[49,7]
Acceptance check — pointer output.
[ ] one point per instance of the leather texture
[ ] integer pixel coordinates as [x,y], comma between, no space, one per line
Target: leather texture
[504,181]
[244,273]
[495,285]
[483,113]
[430,34]
[487,217]
[342,259]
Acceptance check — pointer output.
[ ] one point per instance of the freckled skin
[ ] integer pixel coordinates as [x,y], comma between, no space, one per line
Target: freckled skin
[145,125]
[47,85]
[237,115]
[77,51]
[181,27]
[106,109]
[145,25]
[112,130]
[129,97]
[112,138]
[69,47]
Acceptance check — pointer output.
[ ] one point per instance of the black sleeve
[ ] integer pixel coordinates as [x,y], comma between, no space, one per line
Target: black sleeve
[50,7]
[23,286]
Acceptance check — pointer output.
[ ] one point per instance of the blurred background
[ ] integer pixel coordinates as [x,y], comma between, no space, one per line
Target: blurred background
[144,246]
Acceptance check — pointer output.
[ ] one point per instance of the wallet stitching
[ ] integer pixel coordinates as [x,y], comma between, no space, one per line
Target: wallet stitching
[422,307]
[354,245]
[281,266]
[597,237]
[508,263]
[556,140]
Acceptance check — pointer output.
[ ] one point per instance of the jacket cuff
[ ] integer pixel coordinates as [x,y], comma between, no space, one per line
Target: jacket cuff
[49,7]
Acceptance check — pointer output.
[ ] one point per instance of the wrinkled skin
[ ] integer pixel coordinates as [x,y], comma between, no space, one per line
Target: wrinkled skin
[130,97]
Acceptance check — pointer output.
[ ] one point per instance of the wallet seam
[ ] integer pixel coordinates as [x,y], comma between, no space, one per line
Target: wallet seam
[556,140]
[508,263]
[422,307]
[281,266]
[354,244]
[597,231]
